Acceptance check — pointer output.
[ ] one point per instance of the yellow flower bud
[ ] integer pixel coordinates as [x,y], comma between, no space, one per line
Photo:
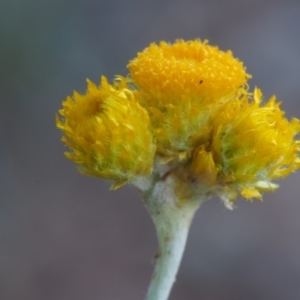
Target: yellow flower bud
[182,84]
[204,167]
[251,144]
[108,132]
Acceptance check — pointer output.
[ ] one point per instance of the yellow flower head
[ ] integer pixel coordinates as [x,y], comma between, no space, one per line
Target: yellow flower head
[181,84]
[184,113]
[251,144]
[108,132]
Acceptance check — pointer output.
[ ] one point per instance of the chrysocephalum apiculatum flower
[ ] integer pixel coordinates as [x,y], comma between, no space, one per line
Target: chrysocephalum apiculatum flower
[108,132]
[182,85]
[184,105]
[250,145]
[182,127]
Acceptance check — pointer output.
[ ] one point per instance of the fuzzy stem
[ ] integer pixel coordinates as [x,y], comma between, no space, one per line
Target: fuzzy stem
[172,224]
[172,241]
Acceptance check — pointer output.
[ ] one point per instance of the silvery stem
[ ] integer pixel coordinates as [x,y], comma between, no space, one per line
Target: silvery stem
[172,222]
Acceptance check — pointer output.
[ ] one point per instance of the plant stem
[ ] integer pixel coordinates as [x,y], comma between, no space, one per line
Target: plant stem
[172,224]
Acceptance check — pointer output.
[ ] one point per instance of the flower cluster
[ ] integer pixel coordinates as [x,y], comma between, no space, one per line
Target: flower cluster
[185,106]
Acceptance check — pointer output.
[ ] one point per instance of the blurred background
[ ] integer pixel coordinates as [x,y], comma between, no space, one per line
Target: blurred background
[64,236]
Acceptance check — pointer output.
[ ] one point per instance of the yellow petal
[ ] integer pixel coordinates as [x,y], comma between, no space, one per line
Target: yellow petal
[251,192]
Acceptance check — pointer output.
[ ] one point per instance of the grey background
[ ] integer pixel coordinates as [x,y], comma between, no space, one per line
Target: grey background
[64,236]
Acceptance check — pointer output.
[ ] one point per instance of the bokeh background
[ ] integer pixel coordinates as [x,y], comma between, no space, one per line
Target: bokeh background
[64,236]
